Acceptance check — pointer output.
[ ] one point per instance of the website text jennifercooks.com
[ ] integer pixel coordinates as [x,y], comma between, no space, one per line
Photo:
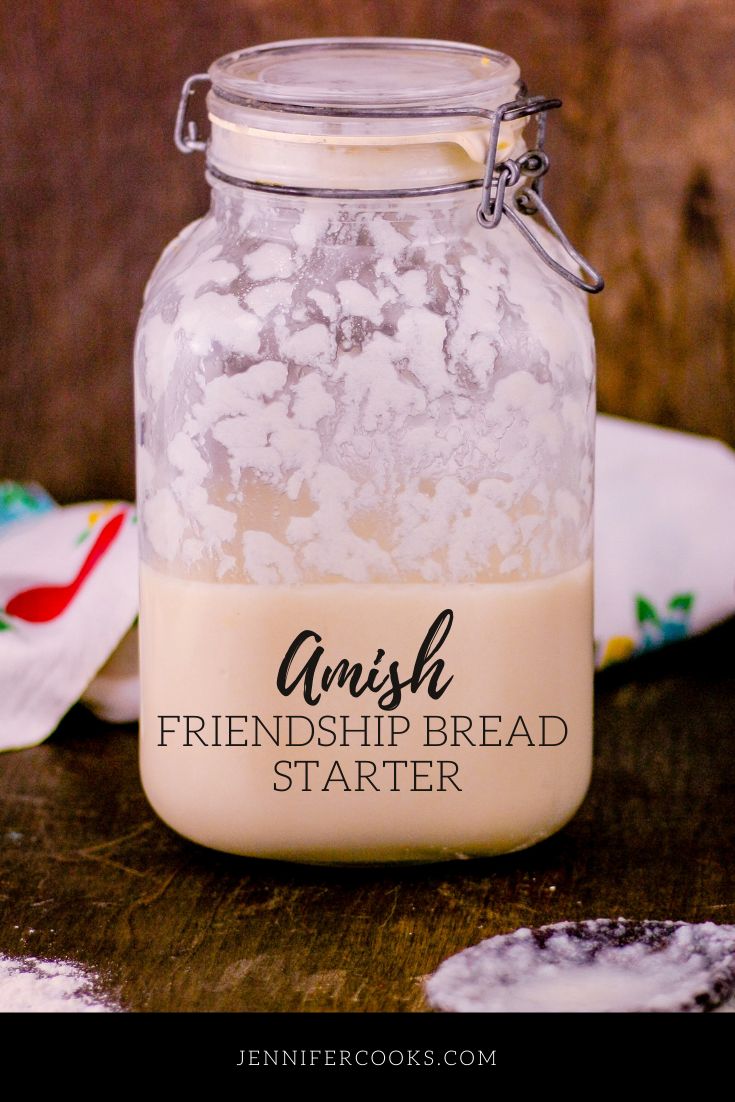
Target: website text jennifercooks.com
[364,1058]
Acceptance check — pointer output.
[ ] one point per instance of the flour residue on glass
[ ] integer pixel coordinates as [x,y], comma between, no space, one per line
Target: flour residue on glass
[598,966]
[330,393]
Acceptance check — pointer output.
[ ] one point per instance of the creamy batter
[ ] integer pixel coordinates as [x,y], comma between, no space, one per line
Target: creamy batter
[483,749]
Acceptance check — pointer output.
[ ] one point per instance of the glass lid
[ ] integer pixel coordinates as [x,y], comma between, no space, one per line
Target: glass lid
[365,72]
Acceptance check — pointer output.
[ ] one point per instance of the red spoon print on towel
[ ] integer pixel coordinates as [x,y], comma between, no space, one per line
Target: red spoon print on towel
[42,603]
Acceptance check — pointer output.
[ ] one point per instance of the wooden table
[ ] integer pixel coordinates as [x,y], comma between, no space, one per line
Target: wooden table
[89,874]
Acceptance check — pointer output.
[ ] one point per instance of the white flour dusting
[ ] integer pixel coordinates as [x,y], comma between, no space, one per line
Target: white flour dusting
[29,985]
[597,966]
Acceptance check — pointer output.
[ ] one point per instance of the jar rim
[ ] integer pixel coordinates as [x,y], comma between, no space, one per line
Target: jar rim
[351,72]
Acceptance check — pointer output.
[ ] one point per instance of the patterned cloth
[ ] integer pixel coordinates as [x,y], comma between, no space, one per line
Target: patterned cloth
[68,596]
[664,537]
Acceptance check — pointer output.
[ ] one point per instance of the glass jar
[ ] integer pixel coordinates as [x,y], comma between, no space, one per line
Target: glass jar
[365,435]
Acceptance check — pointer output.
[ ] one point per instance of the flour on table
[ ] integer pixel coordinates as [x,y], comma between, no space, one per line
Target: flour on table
[30,985]
[602,965]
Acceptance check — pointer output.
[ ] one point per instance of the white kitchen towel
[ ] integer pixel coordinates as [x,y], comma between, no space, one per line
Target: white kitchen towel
[664,569]
[664,536]
[68,596]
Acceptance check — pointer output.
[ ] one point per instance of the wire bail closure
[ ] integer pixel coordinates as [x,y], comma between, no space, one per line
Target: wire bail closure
[499,175]
[533,164]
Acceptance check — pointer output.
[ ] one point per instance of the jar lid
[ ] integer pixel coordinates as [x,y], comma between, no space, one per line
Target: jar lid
[307,112]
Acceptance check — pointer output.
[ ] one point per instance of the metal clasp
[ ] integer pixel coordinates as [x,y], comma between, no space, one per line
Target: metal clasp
[528,201]
[186,133]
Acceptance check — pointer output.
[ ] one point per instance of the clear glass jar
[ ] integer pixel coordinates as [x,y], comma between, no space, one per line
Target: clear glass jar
[365,428]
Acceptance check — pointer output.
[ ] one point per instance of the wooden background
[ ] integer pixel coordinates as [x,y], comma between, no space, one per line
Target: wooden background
[91,189]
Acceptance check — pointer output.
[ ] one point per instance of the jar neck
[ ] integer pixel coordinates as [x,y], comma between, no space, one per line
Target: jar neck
[244,212]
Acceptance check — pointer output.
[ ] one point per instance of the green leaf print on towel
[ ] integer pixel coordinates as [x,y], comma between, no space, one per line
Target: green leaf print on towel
[655,628]
[669,626]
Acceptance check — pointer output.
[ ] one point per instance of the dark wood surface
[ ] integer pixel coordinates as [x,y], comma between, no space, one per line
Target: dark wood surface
[91,189]
[88,873]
